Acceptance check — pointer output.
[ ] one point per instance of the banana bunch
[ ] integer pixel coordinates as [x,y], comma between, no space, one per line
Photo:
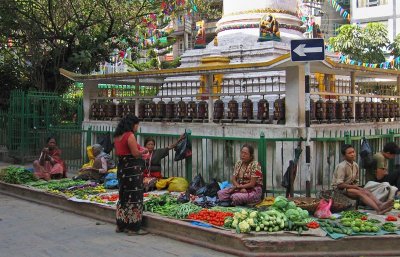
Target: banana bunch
[268,201]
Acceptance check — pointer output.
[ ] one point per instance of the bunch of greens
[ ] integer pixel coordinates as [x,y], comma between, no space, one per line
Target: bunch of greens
[61,185]
[17,175]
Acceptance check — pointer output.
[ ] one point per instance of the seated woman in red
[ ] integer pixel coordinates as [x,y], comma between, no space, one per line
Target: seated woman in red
[50,165]
[152,171]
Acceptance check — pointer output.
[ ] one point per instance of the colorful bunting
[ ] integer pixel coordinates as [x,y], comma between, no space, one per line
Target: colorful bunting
[392,64]
[340,9]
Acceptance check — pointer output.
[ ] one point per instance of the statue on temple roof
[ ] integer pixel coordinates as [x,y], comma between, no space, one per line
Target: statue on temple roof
[269,29]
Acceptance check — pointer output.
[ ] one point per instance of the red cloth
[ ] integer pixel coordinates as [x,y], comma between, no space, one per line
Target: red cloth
[154,174]
[56,155]
[121,146]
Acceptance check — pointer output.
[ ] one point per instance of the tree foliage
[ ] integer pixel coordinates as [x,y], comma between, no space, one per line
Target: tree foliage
[394,47]
[12,77]
[363,44]
[76,35]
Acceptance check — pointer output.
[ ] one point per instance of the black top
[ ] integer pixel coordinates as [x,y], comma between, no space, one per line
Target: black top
[156,157]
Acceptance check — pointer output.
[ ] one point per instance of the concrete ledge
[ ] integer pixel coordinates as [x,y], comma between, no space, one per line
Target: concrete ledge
[224,240]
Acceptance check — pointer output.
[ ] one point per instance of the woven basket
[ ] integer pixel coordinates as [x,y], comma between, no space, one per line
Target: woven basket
[340,202]
[306,203]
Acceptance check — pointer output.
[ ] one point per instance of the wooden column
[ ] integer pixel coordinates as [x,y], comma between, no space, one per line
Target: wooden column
[137,92]
[209,84]
[353,91]
[89,87]
[295,96]
[398,88]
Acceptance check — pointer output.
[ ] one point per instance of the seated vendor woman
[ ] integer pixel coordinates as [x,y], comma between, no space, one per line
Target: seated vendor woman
[101,165]
[246,180]
[345,181]
[152,171]
[50,165]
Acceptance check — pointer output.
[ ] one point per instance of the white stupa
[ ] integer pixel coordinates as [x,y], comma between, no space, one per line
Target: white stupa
[238,32]
[241,19]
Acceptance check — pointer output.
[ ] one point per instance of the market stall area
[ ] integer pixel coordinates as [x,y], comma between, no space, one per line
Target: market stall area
[274,215]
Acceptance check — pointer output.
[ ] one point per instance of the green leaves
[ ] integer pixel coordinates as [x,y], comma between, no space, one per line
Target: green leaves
[363,44]
[78,35]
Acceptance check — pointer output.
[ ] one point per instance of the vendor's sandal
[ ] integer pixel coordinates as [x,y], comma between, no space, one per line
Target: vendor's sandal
[130,232]
[118,230]
[141,232]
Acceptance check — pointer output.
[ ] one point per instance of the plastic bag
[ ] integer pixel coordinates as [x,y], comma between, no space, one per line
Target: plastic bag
[196,184]
[212,189]
[183,149]
[323,209]
[178,184]
[184,198]
[111,181]
[224,184]
[367,160]
[105,141]
[163,183]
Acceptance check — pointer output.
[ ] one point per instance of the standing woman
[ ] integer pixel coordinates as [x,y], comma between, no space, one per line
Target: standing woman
[130,177]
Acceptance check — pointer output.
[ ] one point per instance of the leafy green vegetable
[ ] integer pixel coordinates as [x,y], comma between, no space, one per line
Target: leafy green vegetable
[17,175]
[280,203]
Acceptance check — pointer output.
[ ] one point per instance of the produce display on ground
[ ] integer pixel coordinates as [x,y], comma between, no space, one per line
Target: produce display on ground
[272,215]
[57,186]
[16,175]
[358,223]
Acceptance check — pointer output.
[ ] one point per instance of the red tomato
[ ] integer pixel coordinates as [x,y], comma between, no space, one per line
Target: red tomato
[391,218]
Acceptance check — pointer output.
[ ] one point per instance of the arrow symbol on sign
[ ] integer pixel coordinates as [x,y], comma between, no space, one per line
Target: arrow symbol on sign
[301,50]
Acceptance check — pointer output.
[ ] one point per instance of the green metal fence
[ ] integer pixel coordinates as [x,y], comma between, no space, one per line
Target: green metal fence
[29,117]
[3,128]
[214,157]
[328,146]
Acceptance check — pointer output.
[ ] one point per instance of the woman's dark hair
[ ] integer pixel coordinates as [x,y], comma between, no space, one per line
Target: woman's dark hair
[391,148]
[251,150]
[126,124]
[50,138]
[149,139]
[345,147]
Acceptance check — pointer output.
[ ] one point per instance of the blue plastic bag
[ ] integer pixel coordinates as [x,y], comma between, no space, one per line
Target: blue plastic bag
[224,184]
[111,181]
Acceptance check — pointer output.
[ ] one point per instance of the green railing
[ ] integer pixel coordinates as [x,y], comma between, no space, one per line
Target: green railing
[214,157]
[29,117]
[3,128]
[329,144]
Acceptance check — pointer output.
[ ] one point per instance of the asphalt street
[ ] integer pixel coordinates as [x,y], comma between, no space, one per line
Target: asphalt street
[32,230]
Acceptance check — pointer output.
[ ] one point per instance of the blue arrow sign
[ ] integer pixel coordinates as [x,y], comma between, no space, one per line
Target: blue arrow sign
[306,50]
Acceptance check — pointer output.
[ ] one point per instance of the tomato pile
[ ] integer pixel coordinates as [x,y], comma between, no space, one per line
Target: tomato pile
[213,217]
[313,225]
[111,198]
[391,218]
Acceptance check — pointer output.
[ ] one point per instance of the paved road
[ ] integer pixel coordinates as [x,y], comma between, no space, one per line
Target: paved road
[32,230]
